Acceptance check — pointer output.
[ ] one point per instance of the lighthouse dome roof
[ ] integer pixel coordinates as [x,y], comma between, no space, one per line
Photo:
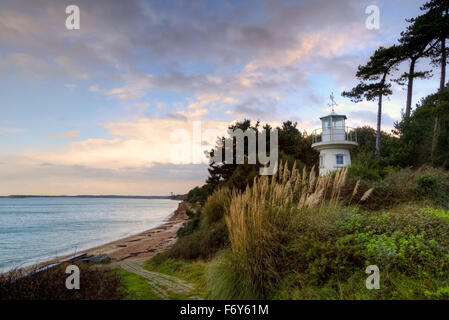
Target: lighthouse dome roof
[333,114]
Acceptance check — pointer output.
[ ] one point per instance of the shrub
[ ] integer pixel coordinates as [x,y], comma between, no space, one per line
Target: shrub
[49,284]
[190,225]
[203,243]
[217,205]
[205,232]
[407,185]
[263,219]
[291,238]
[366,171]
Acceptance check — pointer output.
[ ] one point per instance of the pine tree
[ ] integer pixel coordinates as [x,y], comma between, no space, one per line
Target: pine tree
[439,9]
[417,42]
[374,83]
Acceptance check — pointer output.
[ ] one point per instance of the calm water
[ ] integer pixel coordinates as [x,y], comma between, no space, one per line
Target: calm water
[36,229]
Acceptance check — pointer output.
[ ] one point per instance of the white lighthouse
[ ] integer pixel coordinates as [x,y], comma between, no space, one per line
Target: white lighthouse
[334,140]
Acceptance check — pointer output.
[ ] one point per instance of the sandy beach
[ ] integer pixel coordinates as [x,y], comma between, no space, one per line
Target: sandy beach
[145,244]
[140,246]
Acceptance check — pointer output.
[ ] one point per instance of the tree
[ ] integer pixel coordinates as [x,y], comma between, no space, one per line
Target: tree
[439,9]
[417,42]
[374,82]
[416,135]
[293,147]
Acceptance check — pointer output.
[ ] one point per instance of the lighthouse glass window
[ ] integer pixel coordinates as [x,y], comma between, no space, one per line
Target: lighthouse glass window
[339,123]
[339,159]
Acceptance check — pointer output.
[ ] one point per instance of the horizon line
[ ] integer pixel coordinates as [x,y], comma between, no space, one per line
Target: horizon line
[87,196]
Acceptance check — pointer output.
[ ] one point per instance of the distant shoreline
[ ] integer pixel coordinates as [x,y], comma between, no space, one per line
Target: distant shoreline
[174,197]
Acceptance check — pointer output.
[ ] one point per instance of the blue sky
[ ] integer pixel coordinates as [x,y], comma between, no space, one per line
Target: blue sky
[93,111]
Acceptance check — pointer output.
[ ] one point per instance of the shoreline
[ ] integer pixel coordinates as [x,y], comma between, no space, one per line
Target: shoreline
[147,243]
[142,245]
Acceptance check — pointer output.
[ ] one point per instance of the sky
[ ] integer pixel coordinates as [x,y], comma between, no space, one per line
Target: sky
[107,108]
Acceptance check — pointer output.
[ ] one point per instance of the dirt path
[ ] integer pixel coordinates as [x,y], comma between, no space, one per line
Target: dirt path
[161,284]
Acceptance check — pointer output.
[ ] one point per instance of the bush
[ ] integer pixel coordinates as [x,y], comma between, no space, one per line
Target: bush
[205,233]
[366,171]
[435,184]
[291,238]
[408,185]
[217,205]
[95,284]
[190,225]
[203,243]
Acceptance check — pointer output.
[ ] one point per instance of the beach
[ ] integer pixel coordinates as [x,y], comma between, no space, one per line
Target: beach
[140,246]
[145,244]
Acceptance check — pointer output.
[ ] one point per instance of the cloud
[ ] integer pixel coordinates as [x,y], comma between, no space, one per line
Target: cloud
[136,144]
[268,48]
[178,61]
[65,135]
[255,108]
[25,175]
[365,117]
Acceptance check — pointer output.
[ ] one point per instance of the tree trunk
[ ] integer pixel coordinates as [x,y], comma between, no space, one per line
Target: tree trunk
[436,132]
[411,78]
[443,64]
[379,121]
[436,126]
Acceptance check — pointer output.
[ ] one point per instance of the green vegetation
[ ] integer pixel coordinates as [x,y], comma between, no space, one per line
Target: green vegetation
[424,37]
[299,236]
[191,271]
[95,284]
[205,233]
[277,239]
[135,286]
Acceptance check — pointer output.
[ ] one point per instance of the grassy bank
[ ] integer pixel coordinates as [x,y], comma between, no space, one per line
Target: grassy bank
[299,236]
[96,284]
[135,286]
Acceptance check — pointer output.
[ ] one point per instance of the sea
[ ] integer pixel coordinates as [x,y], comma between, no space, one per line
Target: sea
[36,229]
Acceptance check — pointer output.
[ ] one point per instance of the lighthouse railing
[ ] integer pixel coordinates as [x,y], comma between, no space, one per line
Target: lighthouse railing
[334,134]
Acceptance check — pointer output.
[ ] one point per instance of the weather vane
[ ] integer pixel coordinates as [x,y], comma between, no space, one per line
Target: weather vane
[333,103]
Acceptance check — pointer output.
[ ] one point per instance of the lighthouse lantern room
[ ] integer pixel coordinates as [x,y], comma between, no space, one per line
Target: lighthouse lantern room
[334,140]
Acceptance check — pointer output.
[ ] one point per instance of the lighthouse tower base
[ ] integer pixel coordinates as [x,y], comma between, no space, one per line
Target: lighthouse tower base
[334,158]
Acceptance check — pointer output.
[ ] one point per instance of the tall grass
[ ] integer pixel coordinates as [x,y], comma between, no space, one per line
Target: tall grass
[216,205]
[260,218]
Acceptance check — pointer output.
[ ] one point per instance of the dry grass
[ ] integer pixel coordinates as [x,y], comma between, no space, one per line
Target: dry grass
[217,204]
[259,216]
